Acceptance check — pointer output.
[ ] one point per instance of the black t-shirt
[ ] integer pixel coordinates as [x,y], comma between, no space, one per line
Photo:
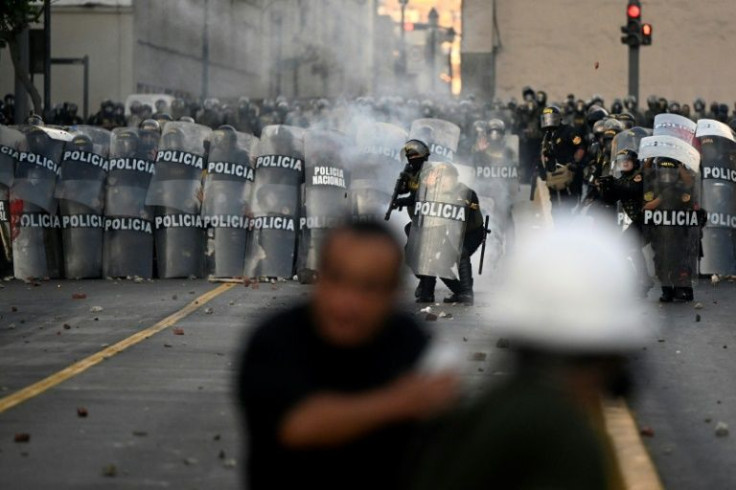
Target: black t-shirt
[285,362]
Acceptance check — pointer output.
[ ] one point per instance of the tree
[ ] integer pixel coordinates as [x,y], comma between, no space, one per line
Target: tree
[15,17]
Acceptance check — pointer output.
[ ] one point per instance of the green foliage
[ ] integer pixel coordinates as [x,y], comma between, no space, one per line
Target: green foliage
[15,15]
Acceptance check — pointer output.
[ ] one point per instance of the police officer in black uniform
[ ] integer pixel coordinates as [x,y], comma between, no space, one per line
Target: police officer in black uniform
[563,151]
[628,189]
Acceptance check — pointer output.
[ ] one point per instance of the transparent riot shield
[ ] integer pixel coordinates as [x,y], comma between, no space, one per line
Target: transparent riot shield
[672,220]
[326,183]
[438,225]
[128,242]
[718,170]
[275,203]
[226,204]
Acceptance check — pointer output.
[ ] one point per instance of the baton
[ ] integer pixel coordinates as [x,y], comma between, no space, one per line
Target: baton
[486,232]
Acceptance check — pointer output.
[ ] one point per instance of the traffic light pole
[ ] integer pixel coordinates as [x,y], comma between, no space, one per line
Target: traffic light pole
[634,71]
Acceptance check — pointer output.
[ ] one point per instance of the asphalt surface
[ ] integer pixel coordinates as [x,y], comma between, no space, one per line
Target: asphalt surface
[161,413]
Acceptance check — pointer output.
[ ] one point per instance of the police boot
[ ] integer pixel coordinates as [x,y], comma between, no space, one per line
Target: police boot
[668,294]
[463,288]
[426,289]
[684,294]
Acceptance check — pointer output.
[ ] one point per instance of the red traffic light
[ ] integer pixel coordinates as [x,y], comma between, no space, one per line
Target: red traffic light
[646,29]
[633,11]
[408,26]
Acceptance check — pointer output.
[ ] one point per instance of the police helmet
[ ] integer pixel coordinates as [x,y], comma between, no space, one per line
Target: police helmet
[595,114]
[34,120]
[416,150]
[82,142]
[496,129]
[551,117]
[627,155]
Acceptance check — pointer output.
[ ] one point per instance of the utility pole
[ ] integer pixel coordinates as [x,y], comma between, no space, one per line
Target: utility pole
[47,56]
[206,51]
[635,35]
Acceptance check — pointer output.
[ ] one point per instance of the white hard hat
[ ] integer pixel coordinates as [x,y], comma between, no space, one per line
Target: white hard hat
[573,291]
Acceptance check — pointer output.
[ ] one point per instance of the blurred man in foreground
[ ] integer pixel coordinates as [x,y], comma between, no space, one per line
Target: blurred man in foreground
[571,321]
[328,389]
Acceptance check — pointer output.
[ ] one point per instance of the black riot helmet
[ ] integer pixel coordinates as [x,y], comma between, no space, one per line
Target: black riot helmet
[34,120]
[662,104]
[541,98]
[480,127]
[597,99]
[172,139]
[82,142]
[37,138]
[150,131]
[630,103]
[599,128]
[627,119]
[225,135]
[163,117]
[652,102]
[722,114]
[667,169]
[674,108]
[188,119]
[417,152]
[699,105]
[627,155]
[527,93]
[617,107]
[685,110]
[551,117]
[160,105]
[595,114]
[126,142]
[496,130]
[580,106]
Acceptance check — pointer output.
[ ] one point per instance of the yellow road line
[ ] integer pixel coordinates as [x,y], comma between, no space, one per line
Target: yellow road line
[634,462]
[79,367]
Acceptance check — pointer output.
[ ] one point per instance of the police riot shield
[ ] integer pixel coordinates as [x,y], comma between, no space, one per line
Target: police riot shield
[718,163]
[326,182]
[629,139]
[179,167]
[175,190]
[11,143]
[128,242]
[676,126]
[438,224]
[80,193]
[34,224]
[672,221]
[375,168]
[83,168]
[442,138]
[496,181]
[227,192]
[275,203]
[38,163]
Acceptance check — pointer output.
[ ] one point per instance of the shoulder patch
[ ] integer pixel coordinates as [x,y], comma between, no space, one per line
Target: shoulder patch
[648,196]
[559,140]
[577,140]
[637,178]
[686,197]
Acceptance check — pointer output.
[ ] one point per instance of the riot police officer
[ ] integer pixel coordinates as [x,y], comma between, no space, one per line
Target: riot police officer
[672,189]
[628,189]
[417,153]
[562,154]
[441,244]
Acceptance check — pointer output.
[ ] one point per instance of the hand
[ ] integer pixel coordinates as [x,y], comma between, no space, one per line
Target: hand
[652,205]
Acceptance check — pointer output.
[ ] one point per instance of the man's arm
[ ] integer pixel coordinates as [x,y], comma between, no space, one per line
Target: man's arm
[328,420]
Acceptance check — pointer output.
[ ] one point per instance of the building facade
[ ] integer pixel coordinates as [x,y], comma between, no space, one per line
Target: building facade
[573,46]
[217,48]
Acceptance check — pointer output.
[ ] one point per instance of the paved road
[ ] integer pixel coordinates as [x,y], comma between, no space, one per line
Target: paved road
[161,415]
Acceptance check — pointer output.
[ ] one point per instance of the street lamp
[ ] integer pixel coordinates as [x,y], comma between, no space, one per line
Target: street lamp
[402,58]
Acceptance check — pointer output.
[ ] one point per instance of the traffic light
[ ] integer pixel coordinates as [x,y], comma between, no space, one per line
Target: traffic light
[646,34]
[633,29]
